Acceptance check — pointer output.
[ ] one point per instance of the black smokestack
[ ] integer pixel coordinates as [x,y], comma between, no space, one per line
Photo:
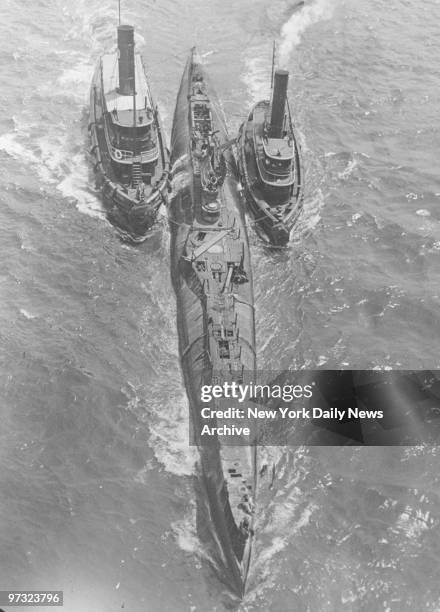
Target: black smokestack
[279,95]
[126,59]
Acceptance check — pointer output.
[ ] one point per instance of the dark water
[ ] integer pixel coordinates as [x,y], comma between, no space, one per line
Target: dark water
[97,496]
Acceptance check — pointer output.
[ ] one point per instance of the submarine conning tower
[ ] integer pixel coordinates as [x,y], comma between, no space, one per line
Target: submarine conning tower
[279,95]
[126,60]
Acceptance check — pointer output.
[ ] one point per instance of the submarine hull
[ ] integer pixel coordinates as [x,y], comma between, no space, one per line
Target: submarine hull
[211,276]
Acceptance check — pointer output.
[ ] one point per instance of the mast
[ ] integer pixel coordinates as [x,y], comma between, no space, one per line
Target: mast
[119,12]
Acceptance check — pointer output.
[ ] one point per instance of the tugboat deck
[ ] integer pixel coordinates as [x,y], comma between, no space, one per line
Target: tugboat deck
[117,102]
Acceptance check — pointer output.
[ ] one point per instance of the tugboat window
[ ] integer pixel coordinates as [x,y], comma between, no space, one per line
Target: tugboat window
[123,138]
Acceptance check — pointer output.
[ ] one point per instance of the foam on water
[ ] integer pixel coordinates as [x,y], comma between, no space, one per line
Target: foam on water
[91,23]
[11,144]
[76,185]
[53,155]
[75,82]
[56,163]
[413,523]
[311,214]
[184,531]
[256,76]
[169,437]
[278,534]
[43,157]
[348,171]
[27,314]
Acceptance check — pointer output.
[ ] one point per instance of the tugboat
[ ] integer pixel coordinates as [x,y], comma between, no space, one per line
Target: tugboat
[269,160]
[127,142]
[212,279]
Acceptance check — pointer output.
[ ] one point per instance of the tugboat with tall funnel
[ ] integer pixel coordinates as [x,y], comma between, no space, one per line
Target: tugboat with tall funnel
[127,142]
[212,279]
[269,160]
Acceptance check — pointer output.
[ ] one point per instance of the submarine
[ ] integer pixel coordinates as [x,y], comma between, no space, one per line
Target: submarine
[270,164]
[128,148]
[212,279]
